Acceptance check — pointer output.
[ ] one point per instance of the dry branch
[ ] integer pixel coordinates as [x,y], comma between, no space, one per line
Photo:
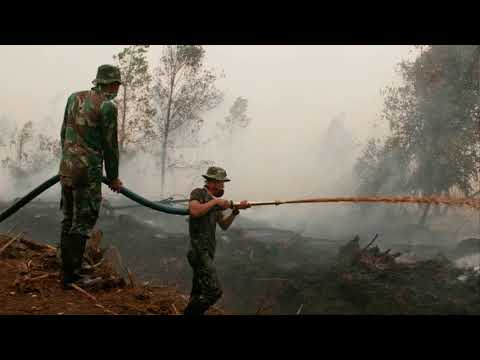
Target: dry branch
[36,246]
[130,277]
[105,309]
[271,279]
[44,276]
[11,242]
[175,311]
[299,309]
[371,242]
[10,232]
[79,289]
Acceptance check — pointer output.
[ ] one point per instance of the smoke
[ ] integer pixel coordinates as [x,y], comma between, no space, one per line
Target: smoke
[12,187]
[38,165]
[469,262]
[264,166]
[310,109]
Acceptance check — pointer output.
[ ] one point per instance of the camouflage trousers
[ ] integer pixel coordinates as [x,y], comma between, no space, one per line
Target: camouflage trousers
[206,288]
[80,206]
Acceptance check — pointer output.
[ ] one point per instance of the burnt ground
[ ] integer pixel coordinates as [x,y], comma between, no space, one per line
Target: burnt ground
[30,284]
[263,270]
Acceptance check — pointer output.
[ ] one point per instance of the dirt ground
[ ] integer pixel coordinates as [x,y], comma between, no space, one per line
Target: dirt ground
[30,284]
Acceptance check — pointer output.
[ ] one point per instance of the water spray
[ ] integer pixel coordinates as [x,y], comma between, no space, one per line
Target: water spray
[433,200]
[165,207]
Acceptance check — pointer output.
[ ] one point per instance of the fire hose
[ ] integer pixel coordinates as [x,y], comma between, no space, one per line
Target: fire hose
[163,206]
[124,191]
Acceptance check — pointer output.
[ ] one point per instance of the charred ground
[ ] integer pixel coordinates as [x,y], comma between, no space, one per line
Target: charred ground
[263,270]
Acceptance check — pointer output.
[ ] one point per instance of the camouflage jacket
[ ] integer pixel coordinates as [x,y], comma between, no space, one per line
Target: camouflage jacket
[89,137]
[202,230]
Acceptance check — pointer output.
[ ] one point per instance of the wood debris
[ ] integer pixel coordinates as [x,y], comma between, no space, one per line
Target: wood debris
[19,236]
[299,309]
[79,289]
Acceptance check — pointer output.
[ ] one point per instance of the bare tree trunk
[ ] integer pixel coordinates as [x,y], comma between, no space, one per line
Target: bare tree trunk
[20,150]
[166,133]
[163,164]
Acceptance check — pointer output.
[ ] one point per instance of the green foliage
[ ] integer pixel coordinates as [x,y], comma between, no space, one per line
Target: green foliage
[184,89]
[29,151]
[190,55]
[237,117]
[382,169]
[433,118]
[238,113]
[135,108]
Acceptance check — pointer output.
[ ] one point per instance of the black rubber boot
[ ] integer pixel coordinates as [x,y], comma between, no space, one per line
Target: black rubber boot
[67,263]
[192,309]
[196,307]
[72,247]
[78,245]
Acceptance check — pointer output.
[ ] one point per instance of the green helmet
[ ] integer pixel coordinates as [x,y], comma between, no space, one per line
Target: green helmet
[108,74]
[216,173]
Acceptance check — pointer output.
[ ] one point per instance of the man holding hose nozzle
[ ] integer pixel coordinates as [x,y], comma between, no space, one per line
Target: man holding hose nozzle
[205,212]
[88,138]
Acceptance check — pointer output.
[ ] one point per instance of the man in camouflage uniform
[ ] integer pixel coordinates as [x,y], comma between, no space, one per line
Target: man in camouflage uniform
[205,212]
[88,138]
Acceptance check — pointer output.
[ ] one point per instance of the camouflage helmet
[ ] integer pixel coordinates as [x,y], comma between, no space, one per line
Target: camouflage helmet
[216,173]
[108,74]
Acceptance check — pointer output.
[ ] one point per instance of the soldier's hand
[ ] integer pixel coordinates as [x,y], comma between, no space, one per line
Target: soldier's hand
[116,185]
[243,205]
[223,204]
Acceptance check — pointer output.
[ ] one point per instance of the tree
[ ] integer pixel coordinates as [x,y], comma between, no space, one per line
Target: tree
[432,118]
[338,140]
[381,169]
[437,127]
[236,119]
[184,89]
[135,109]
[30,152]
[25,134]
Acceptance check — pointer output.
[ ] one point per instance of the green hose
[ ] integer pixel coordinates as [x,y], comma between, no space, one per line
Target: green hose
[152,205]
[124,191]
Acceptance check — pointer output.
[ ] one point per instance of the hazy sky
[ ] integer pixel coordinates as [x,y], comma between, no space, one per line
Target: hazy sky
[293,93]
[288,87]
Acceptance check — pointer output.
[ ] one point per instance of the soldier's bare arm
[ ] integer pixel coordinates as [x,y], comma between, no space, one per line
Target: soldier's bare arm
[226,222]
[198,209]
[243,205]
